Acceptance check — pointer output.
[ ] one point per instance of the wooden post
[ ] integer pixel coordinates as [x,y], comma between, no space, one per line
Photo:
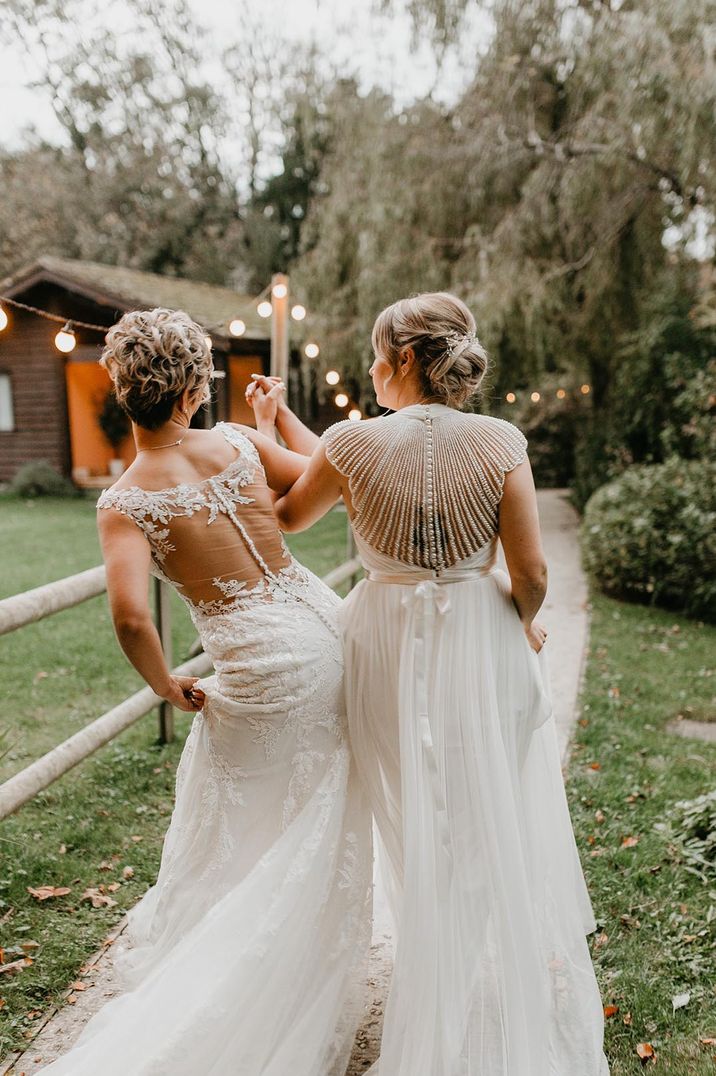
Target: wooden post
[279,327]
[162,606]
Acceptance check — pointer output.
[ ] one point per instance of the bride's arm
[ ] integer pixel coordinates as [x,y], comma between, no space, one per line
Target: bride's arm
[266,395]
[521,540]
[312,495]
[127,558]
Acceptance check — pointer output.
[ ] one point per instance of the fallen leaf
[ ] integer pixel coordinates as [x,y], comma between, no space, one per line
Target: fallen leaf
[595,765]
[44,892]
[98,899]
[599,815]
[128,872]
[646,1051]
[708,1042]
[135,838]
[626,1019]
[611,1010]
[113,887]
[601,940]
[15,966]
[679,1001]
[77,985]
[29,945]
[62,849]
[629,842]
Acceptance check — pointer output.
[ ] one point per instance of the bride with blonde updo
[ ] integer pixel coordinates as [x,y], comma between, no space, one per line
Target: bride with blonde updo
[450,715]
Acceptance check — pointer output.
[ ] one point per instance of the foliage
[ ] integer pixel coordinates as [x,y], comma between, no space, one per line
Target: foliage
[650,535]
[694,827]
[113,421]
[39,479]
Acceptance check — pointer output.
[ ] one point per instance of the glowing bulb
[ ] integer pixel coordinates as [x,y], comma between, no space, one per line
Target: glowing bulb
[279,291]
[333,377]
[510,397]
[3,319]
[312,351]
[298,312]
[561,394]
[264,309]
[584,389]
[534,397]
[208,342]
[65,340]
[341,400]
[237,327]
[354,414]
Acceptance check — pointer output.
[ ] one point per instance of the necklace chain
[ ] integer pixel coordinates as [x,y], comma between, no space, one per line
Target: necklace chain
[152,448]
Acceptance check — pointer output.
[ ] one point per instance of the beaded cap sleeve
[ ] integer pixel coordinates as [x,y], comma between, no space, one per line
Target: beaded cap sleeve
[426,482]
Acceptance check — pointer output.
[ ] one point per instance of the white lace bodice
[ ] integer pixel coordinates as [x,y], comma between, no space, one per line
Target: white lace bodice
[216,540]
[426,482]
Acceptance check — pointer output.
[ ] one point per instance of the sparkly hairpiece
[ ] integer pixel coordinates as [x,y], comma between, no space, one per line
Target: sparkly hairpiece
[459,341]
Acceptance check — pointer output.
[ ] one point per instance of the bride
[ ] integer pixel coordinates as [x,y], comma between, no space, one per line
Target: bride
[449,713]
[246,956]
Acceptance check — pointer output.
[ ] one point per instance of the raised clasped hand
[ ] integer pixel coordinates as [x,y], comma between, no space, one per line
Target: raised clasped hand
[265,395]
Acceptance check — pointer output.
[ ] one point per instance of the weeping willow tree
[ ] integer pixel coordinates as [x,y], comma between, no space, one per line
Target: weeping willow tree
[543,196]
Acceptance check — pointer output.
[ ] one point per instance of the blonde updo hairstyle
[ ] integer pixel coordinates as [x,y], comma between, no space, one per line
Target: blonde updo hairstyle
[441,331]
[152,357]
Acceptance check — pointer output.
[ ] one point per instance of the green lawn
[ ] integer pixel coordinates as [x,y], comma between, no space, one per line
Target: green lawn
[657,921]
[58,675]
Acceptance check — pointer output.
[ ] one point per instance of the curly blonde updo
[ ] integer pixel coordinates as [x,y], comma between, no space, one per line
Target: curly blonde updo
[152,357]
[441,331]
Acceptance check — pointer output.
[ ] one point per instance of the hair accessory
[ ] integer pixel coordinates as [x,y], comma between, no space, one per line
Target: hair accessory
[459,341]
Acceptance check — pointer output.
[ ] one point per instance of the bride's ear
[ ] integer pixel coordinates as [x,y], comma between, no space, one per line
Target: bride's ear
[406,361]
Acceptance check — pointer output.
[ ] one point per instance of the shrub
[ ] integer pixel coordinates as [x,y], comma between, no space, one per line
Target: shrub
[38,479]
[650,535]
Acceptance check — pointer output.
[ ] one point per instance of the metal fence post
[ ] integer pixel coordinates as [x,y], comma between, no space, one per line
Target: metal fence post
[162,606]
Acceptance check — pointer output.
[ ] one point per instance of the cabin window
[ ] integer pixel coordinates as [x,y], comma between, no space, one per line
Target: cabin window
[7,415]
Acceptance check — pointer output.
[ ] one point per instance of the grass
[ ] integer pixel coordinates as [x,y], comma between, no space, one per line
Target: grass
[657,921]
[110,812]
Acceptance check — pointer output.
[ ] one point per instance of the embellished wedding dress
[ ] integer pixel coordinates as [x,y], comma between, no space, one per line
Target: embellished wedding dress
[245,958]
[452,729]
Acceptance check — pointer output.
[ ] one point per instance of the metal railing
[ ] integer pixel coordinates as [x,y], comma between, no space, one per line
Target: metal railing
[42,602]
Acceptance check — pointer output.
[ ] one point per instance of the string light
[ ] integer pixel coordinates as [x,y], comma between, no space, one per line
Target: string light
[311,351]
[65,340]
[584,389]
[534,397]
[3,319]
[298,312]
[333,377]
[341,400]
[264,309]
[561,394]
[354,414]
[279,291]
[237,327]
[510,397]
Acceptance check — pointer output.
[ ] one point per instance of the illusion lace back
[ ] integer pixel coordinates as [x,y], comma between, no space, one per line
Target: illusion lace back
[246,956]
[452,729]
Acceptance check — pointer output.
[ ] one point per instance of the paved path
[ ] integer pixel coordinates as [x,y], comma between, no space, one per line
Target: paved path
[565,616]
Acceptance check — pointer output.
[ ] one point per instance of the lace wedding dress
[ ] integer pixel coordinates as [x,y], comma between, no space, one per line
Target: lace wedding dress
[245,958]
[452,729]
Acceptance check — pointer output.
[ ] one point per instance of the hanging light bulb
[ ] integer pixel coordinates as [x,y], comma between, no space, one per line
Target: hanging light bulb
[534,397]
[264,309]
[354,414]
[279,291]
[65,340]
[584,389]
[312,351]
[341,400]
[237,327]
[298,312]
[510,397]
[561,393]
[3,319]
[333,377]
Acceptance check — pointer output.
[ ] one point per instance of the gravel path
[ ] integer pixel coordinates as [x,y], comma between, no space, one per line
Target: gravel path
[565,615]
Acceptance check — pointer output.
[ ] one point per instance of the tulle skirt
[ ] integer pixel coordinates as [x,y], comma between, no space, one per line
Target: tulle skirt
[452,729]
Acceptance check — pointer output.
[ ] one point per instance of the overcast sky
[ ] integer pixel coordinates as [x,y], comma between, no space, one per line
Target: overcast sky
[378,49]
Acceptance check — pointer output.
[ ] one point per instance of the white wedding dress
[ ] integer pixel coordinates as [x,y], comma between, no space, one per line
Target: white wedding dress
[246,957]
[452,730]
